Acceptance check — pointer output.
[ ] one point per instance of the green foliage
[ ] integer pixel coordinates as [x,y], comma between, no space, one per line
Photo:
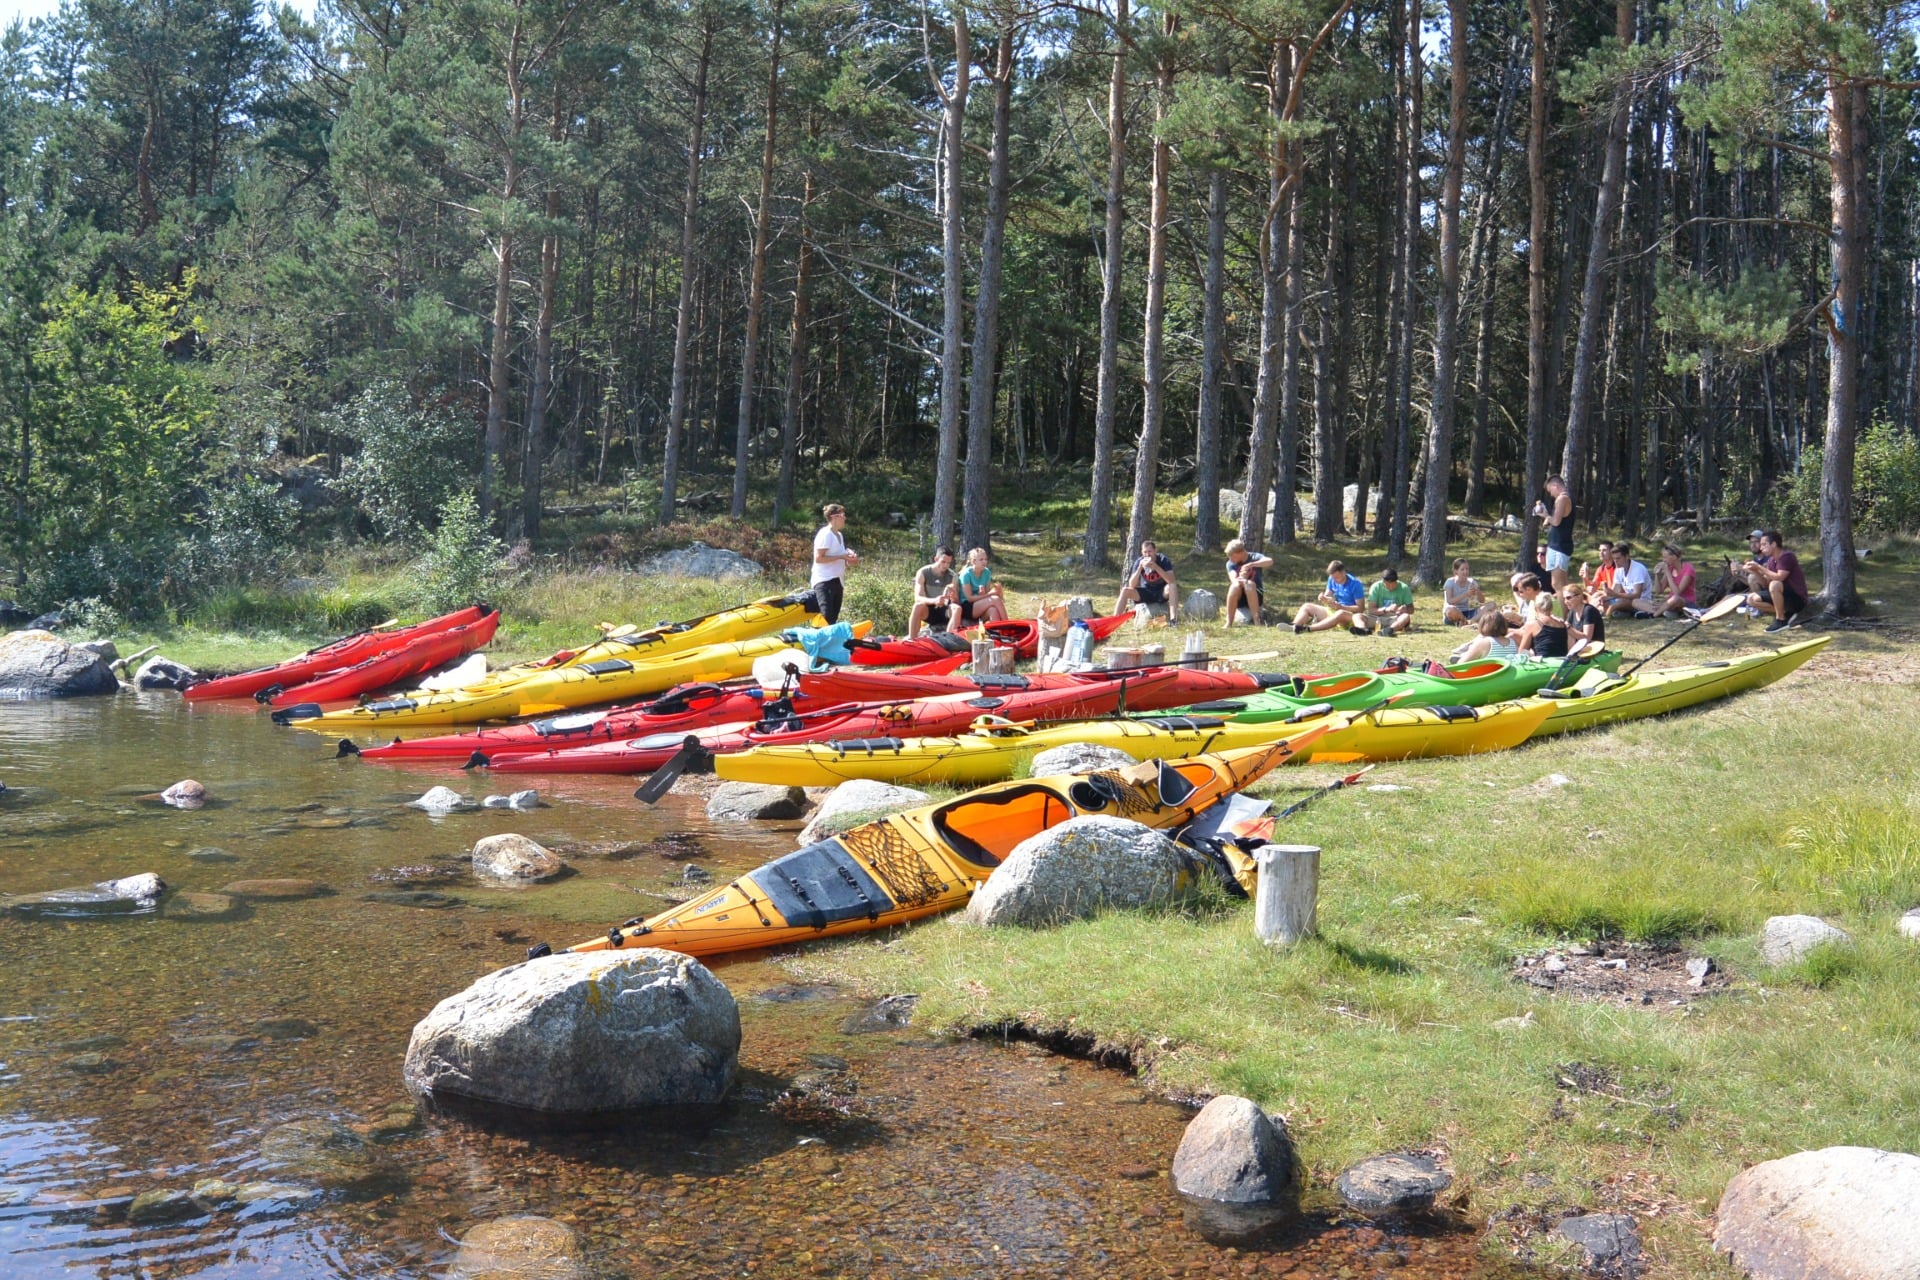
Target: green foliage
[1712,324]
[410,459]
[1860,856]
[248,532]
[1886,483]
[461,564]
[113,435]
[259,609]
[884,600]
[1822,967]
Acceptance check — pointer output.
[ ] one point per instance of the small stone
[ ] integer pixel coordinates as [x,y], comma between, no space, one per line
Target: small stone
[1785,939]
[1612,964]
[1698,967]
[201,906]
[523,1247]
[889,1013]
[159,1208]
[208,853]
[214,1194]
[1520,1023]
[185,794]
[510,859]
[1607,1237]
[1394,1183]
[1136,1172]
[286,1193]
[91,1064]
[518,800]
[694,873]
[1554,964]
[1910,924]
[751,801]
[424,899]
[441,800]
[286,1028]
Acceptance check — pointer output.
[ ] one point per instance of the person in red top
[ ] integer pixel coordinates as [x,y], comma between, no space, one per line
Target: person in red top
[1786,582]
[1673,583]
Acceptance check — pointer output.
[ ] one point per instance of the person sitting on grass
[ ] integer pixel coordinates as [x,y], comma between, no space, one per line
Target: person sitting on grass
[1151,582]
[1389,605]
[1543,634]
[1585,623]
[1600,573]
[1246,581]
[979,595]
[1673,583]
[1340,605]
[1786,582]
[1460,596]
[934,594]
[1494,640]
[1630,595]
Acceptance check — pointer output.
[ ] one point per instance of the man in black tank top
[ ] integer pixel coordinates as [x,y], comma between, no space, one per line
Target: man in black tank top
[1557,514]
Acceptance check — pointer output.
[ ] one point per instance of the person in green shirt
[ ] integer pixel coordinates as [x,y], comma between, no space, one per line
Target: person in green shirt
[1389,605]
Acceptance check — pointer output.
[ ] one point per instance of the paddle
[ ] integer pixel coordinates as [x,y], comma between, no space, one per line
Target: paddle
[1726,606]
[1329,789]
[1591,649]
[667,774]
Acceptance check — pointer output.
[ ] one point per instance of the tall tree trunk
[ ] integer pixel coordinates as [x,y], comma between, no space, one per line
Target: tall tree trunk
[1146,463]
[1537,388]
[499,371]
[1433,517]
[1484,259]
[1287,444]
[1273,307]
[1107,391]
[533,454]
[1393,260]
[796,354]
[953,149]
[1846,109]
[683,325]
[756,279]
[1402,488]
[981,395]
[1206,525]
[1574,461]
[1331,307]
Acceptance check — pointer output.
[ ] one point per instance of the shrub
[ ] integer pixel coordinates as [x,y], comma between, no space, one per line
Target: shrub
[410,460]
[462,561]
[886,602]
[247,533]
[1886,483]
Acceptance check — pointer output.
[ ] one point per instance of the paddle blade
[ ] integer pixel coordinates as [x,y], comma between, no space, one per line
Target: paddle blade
[300,711]
[667,774]
[478,760]
[345,749]
[1726,605]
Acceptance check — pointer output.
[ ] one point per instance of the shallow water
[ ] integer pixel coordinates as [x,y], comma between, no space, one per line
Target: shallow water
[146,1053]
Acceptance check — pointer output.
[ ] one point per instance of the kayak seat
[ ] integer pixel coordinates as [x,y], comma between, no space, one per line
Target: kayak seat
[822,885]
[1001,682]
[1456,713]
[984,830]
[608,667]
[1184,722]
[871,746]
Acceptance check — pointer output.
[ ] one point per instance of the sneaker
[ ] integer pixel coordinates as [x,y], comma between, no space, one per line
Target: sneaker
[1641,615]
[1359,631]
[1692,612]
[1780,624]
[1299,630]
[1748,610]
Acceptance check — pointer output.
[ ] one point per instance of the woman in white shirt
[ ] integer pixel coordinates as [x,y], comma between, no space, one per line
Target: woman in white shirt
[831,560]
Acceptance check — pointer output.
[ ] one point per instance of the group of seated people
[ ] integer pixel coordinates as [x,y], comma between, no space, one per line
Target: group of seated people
[943,599]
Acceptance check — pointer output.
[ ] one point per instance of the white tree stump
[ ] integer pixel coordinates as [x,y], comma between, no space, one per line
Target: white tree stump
[1284,899]
[990,659]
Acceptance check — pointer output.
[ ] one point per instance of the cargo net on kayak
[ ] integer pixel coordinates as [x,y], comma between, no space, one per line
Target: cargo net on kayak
[1127,798]
[899,865]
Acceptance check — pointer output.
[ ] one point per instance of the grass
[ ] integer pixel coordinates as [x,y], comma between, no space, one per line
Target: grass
[1396,1028]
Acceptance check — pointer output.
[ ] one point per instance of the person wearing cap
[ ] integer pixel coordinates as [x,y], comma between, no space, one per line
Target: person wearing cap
[1756,582]
[1389,609]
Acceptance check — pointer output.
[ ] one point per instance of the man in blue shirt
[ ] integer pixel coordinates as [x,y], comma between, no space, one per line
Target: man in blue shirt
[1340,605]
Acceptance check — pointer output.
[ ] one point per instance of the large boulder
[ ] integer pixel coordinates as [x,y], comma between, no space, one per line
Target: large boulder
[583,1032]
[1785,939]
[1201,605]
[1840,1213]
[852,803]
[699,560]
[1235,1171]
[513,860]
[164,673]
[1233,505]
[1078,869]
[126,896]
[753,801]
[39,664]
[1078,757]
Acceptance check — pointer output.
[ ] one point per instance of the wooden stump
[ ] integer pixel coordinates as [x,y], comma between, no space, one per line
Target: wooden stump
[1122,657]
[990,659]
[1289,885]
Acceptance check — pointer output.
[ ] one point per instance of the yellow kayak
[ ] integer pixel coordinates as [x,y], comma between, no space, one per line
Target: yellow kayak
[558,689]
[1603,699]
[742,622]
[991,752]
[922,861]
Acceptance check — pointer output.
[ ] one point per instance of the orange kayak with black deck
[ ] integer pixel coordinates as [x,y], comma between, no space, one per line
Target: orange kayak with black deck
[924,861]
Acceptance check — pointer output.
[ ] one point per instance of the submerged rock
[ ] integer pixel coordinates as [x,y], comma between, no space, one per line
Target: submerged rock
[514,861]
[38,664]
[579,1033]
[752,801]
[185,794]
[523,1247]
[160,1208]
[1235,1170]
[126,896]
[1081,867]
[281,889]
[201,906]
[328,1153]
[441,800]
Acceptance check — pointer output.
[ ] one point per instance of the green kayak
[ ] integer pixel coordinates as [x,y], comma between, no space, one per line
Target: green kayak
[1466,684]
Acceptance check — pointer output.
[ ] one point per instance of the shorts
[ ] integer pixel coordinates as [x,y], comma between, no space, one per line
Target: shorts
[939,615]
[1152,592]
[1558,560]
[966,608]
[1464,612]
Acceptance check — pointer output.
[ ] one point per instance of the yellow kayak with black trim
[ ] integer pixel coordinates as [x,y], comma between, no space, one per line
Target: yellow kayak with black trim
[992,751]
[931,859]
[1600,699]
[559,689]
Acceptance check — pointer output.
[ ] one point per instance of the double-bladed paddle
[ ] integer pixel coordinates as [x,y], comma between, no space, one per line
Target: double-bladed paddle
[1726,606]
[667,774]
[1591,649]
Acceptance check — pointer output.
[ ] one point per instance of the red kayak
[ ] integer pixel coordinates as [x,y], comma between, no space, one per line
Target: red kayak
[929,717]
[1190,683]
[344,652]
[390,668]
[681,710]
[1022,634]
